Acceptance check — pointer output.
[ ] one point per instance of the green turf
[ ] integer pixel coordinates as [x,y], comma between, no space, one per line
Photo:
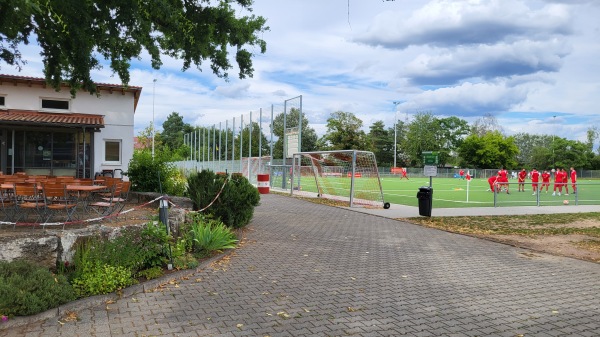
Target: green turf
[452,192]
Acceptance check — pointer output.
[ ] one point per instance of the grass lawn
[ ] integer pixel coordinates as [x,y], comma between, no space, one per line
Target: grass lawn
[453,192]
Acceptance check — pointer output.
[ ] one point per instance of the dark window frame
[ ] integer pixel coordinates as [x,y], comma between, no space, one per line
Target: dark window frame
[55,104]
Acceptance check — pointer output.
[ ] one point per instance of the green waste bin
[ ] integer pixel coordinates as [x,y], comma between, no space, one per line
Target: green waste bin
[425,196]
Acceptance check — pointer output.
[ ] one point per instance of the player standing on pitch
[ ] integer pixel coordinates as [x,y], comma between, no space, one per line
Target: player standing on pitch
[535,178]
[522,175]
[574,180]
[545,180]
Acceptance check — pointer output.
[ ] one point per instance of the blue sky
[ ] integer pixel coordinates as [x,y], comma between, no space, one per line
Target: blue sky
[523,61]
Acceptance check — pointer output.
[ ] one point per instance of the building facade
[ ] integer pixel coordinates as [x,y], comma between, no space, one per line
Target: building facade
[48,132]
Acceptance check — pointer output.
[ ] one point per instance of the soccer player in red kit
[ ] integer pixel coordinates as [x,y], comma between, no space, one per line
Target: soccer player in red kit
[545,180]
[558,182]
[535,178]
[503,179]
[461,173]
[492,181]
[521,179]
[404,173]
[574,180]
[565,177]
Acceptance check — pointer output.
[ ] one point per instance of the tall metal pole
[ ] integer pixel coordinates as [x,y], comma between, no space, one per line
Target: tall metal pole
[395,131]
[553,132]
[153,127]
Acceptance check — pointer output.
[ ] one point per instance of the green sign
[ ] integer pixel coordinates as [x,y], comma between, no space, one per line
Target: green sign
[430,158]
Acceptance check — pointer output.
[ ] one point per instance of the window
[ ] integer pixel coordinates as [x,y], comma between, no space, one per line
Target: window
[55,104]
[2,101]
[112,151]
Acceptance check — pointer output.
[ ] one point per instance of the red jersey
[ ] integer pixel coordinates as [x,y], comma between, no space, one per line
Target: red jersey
[573,176]
[522,175]
[545,177]
[503,176]
[535,176]
[565,177]
[492,180]
[558,177]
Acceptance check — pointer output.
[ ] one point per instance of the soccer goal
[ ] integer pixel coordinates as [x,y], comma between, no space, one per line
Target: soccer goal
[345,175]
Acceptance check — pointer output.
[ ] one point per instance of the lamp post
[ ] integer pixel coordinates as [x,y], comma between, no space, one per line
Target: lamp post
[554,131]
[153,131]
[395,131]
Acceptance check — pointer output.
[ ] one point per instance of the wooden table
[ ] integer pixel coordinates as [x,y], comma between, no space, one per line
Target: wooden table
[85,193]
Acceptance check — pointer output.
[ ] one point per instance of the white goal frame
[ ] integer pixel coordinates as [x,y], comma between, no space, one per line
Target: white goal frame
[328,168]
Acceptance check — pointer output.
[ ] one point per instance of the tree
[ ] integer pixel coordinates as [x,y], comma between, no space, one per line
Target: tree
[309,136]
[344,132]
[74,35]
[381,143]
[173,130]
[256,135]
[491,150]
[485,124]
[532,149]
[424,134]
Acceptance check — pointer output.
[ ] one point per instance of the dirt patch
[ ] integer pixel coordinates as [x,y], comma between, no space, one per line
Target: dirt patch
[581,247]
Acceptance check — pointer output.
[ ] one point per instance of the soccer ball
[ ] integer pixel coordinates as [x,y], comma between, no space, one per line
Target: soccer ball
[565,202]
[553,170]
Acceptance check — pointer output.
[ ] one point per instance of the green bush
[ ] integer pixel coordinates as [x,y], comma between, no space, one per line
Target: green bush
[151,273]
[144,172]
[203,186]
[185,261]
[210,235]
[26,289]
[134,248]
[96,278]
[235,205]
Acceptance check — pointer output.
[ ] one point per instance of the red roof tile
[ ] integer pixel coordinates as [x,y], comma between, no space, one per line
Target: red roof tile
[28,117]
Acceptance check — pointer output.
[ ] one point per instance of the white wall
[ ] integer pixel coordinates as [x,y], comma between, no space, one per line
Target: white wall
[116,107]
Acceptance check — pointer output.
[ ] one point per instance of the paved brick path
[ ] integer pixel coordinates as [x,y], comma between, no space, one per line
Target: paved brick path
[313,270]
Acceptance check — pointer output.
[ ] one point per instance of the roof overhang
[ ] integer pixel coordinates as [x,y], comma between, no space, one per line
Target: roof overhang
[37,118]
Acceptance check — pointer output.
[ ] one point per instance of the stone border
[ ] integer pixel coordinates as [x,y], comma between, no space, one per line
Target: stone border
[92,301]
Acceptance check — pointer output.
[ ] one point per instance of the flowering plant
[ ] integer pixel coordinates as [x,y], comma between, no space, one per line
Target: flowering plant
[4,318]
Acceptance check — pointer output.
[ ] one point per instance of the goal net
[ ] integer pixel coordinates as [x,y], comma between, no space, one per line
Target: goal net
[345,175]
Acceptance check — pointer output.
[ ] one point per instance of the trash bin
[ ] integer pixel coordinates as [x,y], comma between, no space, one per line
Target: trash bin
[425,196]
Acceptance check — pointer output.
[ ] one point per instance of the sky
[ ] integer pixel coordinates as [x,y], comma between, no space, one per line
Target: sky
[532,64]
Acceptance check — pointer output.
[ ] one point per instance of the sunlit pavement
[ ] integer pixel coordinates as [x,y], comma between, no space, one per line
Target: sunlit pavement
[306,269]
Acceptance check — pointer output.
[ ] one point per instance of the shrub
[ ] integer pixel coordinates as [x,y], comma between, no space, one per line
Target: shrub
[26,289]
[97,278]
[144,173]
[185,261]
[235,206]
[134,248]
[210,235]
[151,273]
[203,186]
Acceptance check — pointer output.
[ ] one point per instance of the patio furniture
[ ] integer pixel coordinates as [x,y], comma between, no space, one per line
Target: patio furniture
[28,200]
[107,205]
[7,201]
[58,200]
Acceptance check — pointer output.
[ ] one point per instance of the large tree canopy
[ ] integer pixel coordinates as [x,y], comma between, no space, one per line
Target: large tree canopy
[75,34]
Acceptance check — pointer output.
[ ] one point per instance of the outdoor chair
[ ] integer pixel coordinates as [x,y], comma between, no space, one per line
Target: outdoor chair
[8,204]
[28,200]
[123,197]
[57,201]
[108,204]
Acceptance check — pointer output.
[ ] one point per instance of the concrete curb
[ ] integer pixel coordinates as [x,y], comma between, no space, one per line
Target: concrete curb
[89,302]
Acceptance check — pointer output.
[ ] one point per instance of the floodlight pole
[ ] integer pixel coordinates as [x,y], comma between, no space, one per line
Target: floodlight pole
[153,131]
[395,131]
[553,132]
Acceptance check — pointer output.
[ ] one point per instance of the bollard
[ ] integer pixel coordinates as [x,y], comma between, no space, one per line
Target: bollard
[163,216]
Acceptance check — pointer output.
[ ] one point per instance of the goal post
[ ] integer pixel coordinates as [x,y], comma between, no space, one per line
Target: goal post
[344,175]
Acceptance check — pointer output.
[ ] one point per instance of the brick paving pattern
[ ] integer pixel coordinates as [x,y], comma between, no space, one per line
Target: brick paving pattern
[312,270]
